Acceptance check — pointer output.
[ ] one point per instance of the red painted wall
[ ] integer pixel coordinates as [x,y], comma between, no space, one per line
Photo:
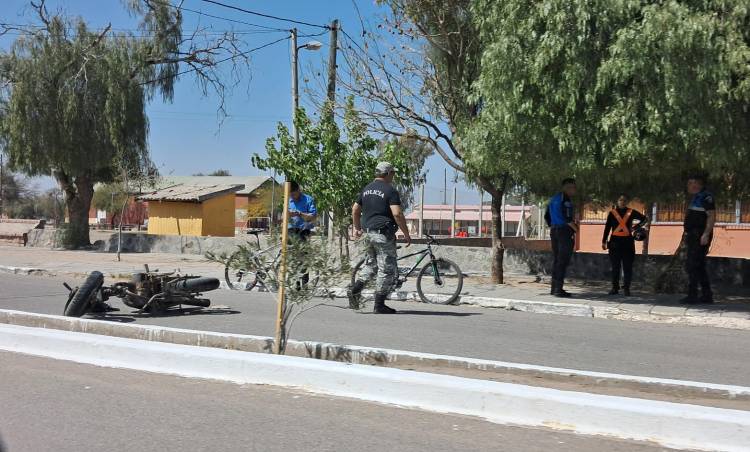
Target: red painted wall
[729,240]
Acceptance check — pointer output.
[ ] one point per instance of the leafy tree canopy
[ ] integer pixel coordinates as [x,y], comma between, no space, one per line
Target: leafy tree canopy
[625,95]
[331,168]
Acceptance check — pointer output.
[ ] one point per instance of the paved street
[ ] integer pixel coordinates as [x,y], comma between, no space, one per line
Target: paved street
[668,351]
[518,287]
[59,406]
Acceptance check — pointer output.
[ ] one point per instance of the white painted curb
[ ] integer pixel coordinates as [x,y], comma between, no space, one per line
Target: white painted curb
[670,424]
[356,353]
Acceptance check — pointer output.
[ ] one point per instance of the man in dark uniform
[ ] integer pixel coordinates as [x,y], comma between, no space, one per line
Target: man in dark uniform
[563,228]
[377,214]
[699,226]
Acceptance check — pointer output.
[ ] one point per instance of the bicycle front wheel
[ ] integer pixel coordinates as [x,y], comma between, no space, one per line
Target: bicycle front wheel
[440,282]
[238,278]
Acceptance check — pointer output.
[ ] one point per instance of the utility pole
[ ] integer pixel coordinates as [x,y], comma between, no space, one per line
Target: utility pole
[445,187]
[2,186]
[332,62]
[295,89]
[453,214]
[481,211]
[332,97]
[273,201]
[421,212]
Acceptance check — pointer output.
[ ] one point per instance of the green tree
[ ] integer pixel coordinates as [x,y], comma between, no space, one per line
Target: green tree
[109,197]
[625,95]
[414,79]
[331,168]
[315,256]
[74,107]
[13,189]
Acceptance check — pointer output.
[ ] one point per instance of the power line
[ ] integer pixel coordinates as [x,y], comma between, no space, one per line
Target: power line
[353,41]
[207,31]
[247,52]
[227,19]
[312,35]
[255,13]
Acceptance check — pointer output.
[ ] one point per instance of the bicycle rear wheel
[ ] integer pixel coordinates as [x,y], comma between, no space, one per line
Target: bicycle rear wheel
[236,277]
[440,282]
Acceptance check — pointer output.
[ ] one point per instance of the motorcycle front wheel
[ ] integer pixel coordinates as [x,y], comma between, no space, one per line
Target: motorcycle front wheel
[85,296]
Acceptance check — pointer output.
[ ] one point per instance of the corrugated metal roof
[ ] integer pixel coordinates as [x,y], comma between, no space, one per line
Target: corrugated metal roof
[190,193]
[251,183]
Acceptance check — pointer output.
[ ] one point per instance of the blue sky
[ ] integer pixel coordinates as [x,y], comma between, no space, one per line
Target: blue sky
[186,135]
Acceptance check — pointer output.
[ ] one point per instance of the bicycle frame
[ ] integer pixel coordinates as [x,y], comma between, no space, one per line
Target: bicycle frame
[422,253]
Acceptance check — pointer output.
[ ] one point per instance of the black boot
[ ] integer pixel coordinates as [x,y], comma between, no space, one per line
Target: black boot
[692,295]
[354,293]
[626,291]
[380,306]
[707,297]
[615,289]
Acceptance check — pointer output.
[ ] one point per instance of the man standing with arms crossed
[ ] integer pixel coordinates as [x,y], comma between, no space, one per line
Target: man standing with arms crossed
[377,214]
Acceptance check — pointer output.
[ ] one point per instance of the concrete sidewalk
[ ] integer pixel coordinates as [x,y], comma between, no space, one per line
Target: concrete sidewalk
[520,293]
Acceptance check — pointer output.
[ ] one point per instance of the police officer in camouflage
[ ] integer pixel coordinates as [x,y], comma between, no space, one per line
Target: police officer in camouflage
[699,228]
[377,215]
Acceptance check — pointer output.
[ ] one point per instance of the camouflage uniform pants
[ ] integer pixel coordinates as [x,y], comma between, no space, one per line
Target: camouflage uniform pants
[381,261]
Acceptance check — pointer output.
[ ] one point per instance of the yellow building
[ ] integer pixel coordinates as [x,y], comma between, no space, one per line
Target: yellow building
[200,210]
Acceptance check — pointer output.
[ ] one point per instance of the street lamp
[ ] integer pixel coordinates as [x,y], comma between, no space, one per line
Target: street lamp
[313,46]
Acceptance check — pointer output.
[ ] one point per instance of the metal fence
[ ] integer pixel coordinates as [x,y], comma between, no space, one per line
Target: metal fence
[732,212]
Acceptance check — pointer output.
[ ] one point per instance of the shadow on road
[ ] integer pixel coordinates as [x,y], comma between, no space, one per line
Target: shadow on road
[438,313]
[191,311]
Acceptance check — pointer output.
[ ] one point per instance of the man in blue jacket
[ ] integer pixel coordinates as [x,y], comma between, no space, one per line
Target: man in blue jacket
[699,231]
[560,217]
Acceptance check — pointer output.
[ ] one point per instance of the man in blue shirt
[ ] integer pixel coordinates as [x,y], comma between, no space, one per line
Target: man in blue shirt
[699,226]
[302,213]
[560,217]
[302,216]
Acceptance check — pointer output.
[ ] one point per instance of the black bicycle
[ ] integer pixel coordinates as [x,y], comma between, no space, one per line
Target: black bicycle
[440,280]
[262,271]
[239,278]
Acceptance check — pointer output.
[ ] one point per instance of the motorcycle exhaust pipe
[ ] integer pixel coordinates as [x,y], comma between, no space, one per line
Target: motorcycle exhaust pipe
[197,284]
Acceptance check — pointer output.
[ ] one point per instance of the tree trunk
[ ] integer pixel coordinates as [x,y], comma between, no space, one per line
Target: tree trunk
[119,229]
[673,278]
[498,251]
[78,195]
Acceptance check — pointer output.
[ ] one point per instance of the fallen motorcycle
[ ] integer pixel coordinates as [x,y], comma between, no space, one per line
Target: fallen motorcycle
[146,291]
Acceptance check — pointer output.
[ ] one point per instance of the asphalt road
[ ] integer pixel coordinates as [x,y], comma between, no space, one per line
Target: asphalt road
[690,353]
[50,405]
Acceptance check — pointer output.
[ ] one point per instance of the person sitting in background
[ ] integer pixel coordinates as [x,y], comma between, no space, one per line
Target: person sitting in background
[620,243]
